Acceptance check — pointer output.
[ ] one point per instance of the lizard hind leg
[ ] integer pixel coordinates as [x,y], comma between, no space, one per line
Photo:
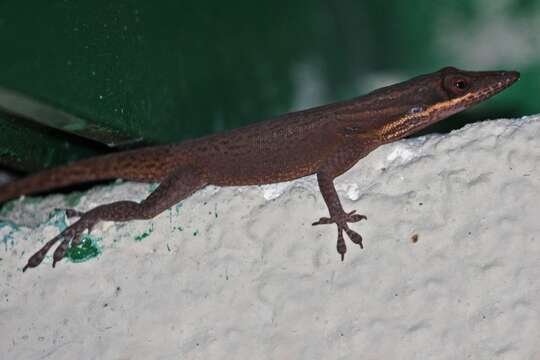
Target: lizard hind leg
[180,184]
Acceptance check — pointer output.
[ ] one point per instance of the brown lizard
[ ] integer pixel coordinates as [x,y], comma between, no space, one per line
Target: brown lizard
[325,141]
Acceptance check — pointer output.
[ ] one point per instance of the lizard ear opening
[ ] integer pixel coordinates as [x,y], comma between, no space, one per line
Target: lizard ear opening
[456,85]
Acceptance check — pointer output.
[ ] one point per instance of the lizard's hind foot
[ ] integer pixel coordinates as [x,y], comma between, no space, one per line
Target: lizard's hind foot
[70,235]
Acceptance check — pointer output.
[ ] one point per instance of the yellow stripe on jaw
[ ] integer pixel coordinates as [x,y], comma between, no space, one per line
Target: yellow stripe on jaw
[405,123]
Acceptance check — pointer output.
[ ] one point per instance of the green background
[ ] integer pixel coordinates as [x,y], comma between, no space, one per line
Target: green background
[164,71]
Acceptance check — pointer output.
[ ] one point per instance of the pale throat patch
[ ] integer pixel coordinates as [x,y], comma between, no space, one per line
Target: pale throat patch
[413,119]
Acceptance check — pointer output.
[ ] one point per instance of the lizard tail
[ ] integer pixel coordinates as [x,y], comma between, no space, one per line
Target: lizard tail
[136,165]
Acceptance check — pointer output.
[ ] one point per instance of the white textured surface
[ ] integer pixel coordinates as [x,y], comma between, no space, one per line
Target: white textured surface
[248,277]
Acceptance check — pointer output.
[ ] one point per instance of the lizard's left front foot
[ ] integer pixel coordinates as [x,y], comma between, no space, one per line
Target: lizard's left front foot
[342,224]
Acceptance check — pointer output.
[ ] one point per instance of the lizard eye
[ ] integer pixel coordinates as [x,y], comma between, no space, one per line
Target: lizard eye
[460,84]
[456,85]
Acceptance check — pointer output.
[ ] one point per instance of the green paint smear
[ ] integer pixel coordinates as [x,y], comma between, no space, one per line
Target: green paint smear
[87,250]
[144,234]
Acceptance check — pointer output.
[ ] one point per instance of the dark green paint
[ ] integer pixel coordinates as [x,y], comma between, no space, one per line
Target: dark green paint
[87,250]
[145,234]
[173,70]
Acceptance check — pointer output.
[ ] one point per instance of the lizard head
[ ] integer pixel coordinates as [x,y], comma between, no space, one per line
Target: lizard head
[429,98]
[461,89]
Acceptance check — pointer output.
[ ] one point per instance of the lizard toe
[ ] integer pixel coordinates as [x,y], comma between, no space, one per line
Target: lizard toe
[340,246]
[61,250]
[355,237]
[352,217]
[38,257]
[323,221]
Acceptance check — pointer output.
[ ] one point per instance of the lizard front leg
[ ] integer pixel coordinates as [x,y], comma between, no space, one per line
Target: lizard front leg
[337,215]
[180,184]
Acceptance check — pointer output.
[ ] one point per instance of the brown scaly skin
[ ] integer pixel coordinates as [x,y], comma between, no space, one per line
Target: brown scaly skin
[325,141]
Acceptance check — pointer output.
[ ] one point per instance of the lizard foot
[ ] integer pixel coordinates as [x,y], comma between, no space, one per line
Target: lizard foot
[342,224]
[70,235]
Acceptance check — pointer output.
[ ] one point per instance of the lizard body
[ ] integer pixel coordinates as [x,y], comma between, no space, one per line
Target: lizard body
[325,141]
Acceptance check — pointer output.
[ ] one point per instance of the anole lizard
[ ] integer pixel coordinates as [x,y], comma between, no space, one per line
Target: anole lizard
[325,141]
